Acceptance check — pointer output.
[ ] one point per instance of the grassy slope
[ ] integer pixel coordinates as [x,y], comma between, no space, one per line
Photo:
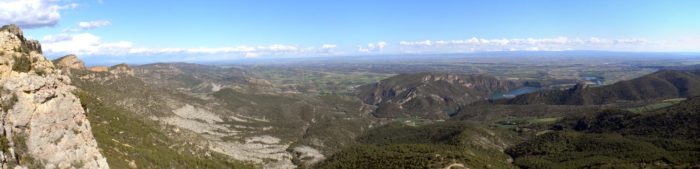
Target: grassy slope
[609,150]
[619,139]
[430,146]
[124,138]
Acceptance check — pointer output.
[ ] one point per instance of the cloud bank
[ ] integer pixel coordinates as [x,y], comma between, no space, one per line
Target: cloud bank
[529,44]
[87,44]
[93,24]
[32,13]
[372,47]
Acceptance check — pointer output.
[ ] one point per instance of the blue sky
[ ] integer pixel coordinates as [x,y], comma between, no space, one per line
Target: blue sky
[219,30]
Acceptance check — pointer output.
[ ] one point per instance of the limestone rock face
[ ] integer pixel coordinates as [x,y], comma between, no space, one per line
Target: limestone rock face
[69,62]
[121,70]
[102,74]
[42,123]
[13,39]
[99,69]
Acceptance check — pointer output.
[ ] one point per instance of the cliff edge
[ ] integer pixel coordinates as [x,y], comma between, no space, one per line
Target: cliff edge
[43,125]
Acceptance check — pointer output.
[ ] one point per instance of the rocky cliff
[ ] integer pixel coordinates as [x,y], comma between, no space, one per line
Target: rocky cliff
[43,125]
[69,62]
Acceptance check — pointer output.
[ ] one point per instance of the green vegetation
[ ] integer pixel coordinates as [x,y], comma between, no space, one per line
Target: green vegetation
[316,81]
[656,106]
[40,72]
[663,138]
[659,85]
[581,150]
[22,64]
[525,121]
[407,156]
[437,145]
[413,121]
[333,120]
[6,104]
[452,133]
[21,151]
[429,95]
[4,144]
[124,138]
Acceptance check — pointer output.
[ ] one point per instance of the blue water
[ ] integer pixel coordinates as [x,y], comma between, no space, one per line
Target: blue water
[597,80]
[513,93]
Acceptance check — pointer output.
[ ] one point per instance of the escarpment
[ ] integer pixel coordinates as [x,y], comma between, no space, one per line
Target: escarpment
[43,125]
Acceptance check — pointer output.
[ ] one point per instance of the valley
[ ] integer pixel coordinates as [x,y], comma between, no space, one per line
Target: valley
[298,115]
[485,110]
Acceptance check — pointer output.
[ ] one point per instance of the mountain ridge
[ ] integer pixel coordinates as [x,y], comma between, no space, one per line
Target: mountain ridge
[429,95]
[663,84]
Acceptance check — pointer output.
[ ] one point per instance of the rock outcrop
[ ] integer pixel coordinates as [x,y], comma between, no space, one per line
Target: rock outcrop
[43,125]
[68,63]
[121,70]
[99,69]
[103,73]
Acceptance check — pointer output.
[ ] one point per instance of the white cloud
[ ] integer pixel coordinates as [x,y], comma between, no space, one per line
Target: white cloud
[93,24]
[381,45]
[329,46]
[372,47]
[83,44]
[547,44]
[32,13]
[87,44]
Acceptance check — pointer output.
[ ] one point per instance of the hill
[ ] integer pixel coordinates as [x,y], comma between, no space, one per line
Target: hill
[237,121]
[429,95]
[665,84]
[663,138]
[128,141]
[438,145]
[190,77]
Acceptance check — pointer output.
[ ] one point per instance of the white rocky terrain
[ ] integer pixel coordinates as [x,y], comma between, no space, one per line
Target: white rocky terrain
[238,136]
[261,149]
[43,123]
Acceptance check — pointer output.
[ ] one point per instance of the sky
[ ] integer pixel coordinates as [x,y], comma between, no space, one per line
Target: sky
[131,30]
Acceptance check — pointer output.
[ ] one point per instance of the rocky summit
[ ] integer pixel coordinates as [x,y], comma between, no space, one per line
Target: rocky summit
[43,124]
[69,62]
